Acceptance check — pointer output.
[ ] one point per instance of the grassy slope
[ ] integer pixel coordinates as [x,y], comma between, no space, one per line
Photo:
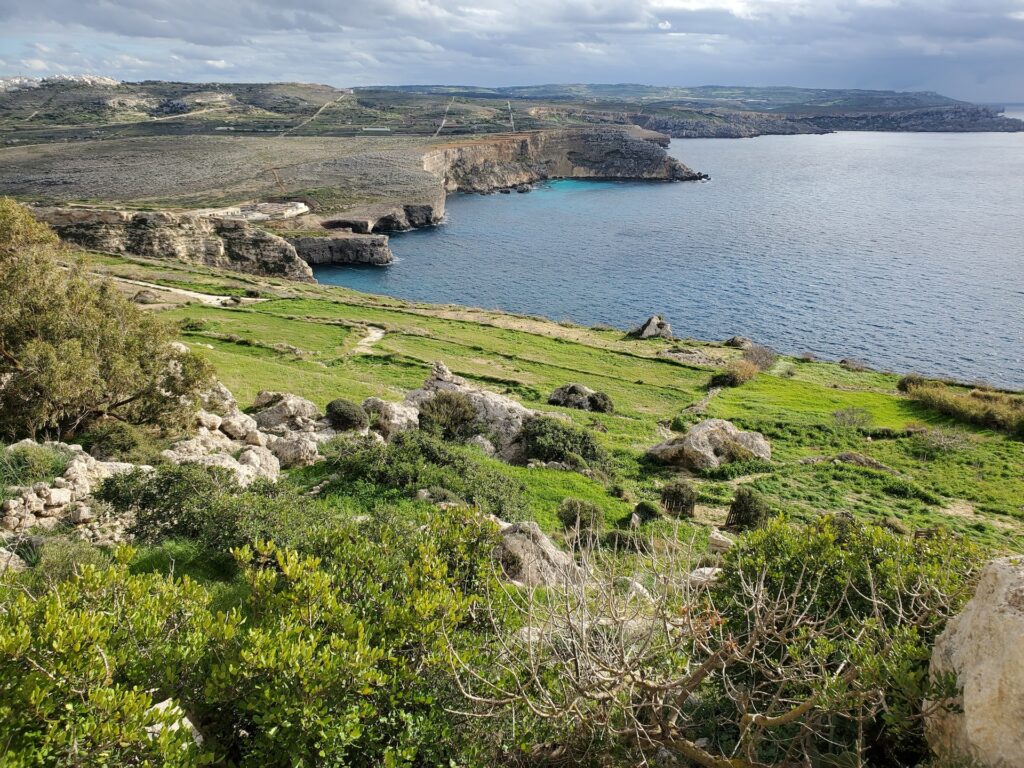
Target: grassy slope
[981,486]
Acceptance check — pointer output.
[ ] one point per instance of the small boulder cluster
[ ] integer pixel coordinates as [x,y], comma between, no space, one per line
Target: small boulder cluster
[582,398]
[283,431]
[710,444]
[65,499]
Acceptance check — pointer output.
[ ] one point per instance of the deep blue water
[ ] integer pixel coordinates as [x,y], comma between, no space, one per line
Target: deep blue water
[903,250]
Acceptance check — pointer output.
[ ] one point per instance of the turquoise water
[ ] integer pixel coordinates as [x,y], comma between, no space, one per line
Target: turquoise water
[903,250]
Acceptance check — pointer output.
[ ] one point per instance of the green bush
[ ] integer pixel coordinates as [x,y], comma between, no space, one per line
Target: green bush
[679,498]
[79,350]
[738,372]
[58,559]
[578,514]
[416,460]
[449,415]
[548,439]
[115,440]
[853,578]
[646,511]
[748,509]
[120,643]
[345,415]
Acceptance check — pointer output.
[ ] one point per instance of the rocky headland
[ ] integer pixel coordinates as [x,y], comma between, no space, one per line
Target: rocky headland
[401,189]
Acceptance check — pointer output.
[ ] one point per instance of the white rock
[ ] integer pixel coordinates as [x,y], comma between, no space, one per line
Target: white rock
[218,400]
[208,420]
[9,561]
[984,647]
[180,720]
[262,460]
[237,425]
[483,444]
[718,542]
[526,555]
[703,577]
[281,412]
[391,418]
[710,444]
[57,497]
[296,452]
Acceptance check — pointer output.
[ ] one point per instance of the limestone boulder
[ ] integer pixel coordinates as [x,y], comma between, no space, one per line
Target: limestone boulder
[984,648]
[501,417]
[238,425]
[262,460]
[527,556]
[298,451]
[280,412]
[652,328]
[218,399]
[582,398]
[390,418]
[11,562]
[712,443]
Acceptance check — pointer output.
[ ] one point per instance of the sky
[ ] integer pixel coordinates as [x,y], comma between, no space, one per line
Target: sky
[968,49]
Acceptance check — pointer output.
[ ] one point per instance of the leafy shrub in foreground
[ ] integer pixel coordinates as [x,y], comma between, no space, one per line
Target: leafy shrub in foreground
[345,415]
[548,439]
[449,415]
[679,498]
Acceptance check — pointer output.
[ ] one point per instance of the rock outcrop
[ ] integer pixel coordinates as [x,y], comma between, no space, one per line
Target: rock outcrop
[529,557]
[196,239]
[710,444]
[654,327]
[342,248]
[984,648]
[582,398]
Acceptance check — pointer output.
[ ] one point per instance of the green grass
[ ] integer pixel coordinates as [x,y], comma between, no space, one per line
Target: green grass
[527,358]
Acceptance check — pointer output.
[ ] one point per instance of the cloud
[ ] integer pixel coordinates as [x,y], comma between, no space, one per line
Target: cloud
[968,48]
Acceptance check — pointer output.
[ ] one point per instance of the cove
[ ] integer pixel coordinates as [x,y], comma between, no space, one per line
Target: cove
[902,250]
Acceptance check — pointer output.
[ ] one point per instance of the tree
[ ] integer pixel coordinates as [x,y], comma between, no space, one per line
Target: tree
[73,350]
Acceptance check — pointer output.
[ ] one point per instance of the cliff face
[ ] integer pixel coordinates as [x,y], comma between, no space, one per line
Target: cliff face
[511,160]
[343,248]
[958,118]
[579,153]
[213,242]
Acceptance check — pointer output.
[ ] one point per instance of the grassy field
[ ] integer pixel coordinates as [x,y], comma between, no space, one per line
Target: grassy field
[305,339]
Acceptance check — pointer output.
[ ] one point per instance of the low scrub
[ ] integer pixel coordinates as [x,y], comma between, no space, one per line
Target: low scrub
[580,515]
[1002,411]
[415,461]
[735,469]
[548,439]
[450,415]
[763,357]
[749,509]
[345,415]
[679,498]
[29,464]
[738,373]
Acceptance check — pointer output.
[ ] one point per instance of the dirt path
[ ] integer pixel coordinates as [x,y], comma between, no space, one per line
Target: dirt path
[311,118]
[365,345]
[204,298]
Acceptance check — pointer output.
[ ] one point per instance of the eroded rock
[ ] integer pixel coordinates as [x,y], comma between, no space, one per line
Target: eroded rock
[527,556]
[984,647]
[710,444]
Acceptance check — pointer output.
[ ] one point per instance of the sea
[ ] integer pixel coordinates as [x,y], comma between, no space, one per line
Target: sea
[901,250]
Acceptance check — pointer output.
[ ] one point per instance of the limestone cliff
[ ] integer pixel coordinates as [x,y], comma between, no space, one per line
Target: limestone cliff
[221,243]
[509,160]
[342,248]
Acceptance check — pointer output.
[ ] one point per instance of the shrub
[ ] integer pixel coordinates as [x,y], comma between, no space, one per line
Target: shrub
[748,509]
[345,415]
[548,439]
[763,357]
[415,460]
[852,417]
[111,439]
[911,380]
[449,415]
[679,498]
[739,372]
[601,403]
[646,511]
[578,514]
[75,349]
[932,443]
[122,643]
[58,559]
[997,410]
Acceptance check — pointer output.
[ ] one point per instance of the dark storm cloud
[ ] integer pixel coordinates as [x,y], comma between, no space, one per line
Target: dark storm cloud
[968,48]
